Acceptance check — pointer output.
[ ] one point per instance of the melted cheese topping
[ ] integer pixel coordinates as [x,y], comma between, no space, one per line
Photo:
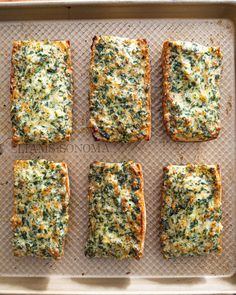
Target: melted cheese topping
[41,201]
[191,211]
[192,109]
[120,89]
[116,210]
[41,91]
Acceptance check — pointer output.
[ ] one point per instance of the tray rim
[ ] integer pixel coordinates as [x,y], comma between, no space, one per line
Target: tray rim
[59,3]
[33,3]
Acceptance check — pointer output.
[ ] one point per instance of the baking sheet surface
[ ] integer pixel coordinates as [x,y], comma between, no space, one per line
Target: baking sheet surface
[153,155]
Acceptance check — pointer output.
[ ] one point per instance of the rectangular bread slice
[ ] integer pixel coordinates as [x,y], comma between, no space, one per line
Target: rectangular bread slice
[117,218]
[41,91]
[119,93]
[191,90]
[41,198]
[191,210]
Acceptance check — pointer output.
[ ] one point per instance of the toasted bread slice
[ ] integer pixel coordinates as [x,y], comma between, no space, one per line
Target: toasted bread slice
[191,91]
[41,91]
[117,218]
[119,96]
[41,199]
[191,210]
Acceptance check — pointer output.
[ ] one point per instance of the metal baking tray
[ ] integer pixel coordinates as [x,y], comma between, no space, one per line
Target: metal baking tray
[207,23]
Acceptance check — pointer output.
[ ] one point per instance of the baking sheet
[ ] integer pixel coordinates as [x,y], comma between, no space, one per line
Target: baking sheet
[153,155]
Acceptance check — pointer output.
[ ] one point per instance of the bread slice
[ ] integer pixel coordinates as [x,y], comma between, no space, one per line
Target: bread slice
[191,90]
[41,91]
[41,199]
[119,96]
[191,210]
[117,218]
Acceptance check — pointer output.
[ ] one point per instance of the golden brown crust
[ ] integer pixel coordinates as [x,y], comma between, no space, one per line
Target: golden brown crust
[16,44]
[147,80]
[167,97]
[64,46]
[166,86]
[69,70]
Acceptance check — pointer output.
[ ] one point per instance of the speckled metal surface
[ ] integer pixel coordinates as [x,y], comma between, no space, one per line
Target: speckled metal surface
[152,155]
